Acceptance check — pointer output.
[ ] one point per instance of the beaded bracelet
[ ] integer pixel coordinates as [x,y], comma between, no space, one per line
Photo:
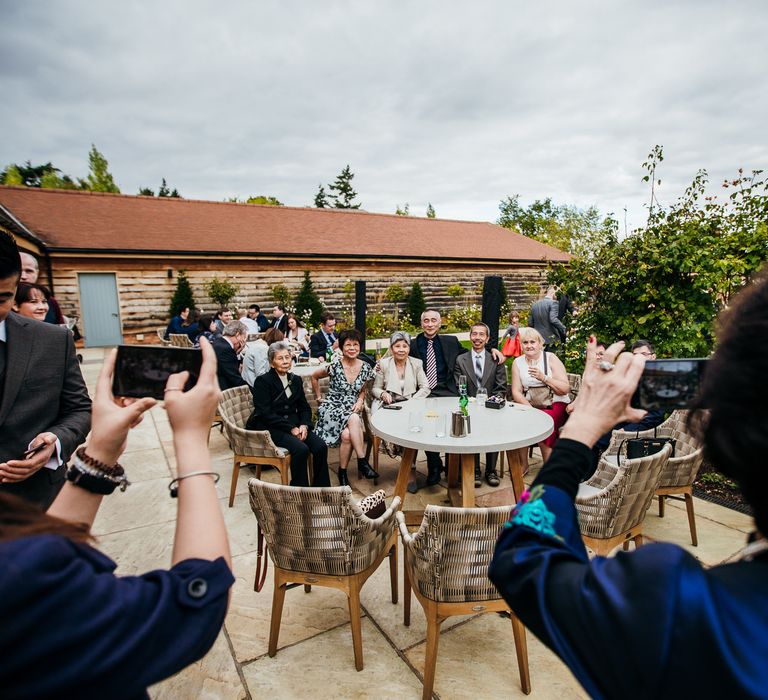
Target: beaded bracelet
[175,489]
[96,480]
[86,459]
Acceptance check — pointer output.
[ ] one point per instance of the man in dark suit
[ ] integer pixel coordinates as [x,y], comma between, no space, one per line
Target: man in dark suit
[43,399]
[543,317]
[227,348]
[254,313]
[324,338]
[279,318]
[280,406]
[479,368]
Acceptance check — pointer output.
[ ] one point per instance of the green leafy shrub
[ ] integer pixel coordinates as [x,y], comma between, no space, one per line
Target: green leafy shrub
[221,292]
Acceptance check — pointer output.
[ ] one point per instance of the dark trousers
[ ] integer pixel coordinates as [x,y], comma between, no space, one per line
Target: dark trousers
[490,461]
[300,452]
[434,463]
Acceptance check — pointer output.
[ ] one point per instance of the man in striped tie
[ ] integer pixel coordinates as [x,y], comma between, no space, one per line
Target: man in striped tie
[439,353]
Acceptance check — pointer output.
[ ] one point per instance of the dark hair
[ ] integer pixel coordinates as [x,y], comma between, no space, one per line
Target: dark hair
[24,292]
[255,307]
[350,334]
[20,518]
[204,324]
[10,260]
[193,318]
[181,308]
[281,307]
[733,429]
[513,314]
[641,343]
[273,335]
[223,310]
[326,316]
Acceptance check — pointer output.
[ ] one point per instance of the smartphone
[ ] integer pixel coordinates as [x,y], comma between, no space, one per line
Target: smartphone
[667,385]
[391,407]
[142,370]
[34,450]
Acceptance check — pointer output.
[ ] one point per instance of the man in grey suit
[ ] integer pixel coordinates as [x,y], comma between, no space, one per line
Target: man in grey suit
[481,370]
[43,399]
[544,319]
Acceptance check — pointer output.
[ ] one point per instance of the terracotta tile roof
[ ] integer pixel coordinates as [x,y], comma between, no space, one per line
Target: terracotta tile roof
[89,221]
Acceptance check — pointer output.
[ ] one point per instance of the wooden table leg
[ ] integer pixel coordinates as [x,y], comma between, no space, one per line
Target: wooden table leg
[406,463]
[468,481]
[516,472]
[453,470]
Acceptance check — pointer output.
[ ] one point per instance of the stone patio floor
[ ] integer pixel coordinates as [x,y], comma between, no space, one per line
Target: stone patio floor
[476,656]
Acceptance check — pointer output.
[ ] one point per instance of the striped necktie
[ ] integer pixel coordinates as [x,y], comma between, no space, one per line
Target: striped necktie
[478,371]
[431,364]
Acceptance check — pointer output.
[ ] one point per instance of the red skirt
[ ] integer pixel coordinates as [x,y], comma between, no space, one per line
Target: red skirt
[559,416]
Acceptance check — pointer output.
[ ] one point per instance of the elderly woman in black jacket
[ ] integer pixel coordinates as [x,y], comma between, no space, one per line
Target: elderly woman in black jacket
[280,406]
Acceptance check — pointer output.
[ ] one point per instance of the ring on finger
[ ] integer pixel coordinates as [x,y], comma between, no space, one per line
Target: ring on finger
[605,365]
[172,388]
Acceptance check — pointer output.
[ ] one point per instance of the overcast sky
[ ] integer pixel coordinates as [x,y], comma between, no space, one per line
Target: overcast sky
[454,103]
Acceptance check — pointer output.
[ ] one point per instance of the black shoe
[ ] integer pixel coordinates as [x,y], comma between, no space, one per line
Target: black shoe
[343,481]
[478,478]
[492,477]
[365,470]
[433,473]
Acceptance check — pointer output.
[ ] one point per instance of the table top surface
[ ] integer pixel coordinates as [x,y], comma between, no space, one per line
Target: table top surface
[492,430]
[307,370]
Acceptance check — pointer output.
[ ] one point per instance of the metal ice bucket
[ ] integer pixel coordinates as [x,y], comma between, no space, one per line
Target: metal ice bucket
[460,424]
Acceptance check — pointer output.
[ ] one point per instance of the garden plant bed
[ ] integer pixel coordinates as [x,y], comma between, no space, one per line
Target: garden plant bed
[713,486]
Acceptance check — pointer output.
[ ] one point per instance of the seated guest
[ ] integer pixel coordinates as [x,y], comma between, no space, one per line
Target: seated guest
[481,371]
[206,328]
[249,323]
[279,319]
[297,336]
[324,338]
[177,323]
[227,348]
[254,313]
[192,326]
[280,406]
[255,359]
[223,317]
[654,622]
[339,413]
[528,372]
[31,301]
[399,378]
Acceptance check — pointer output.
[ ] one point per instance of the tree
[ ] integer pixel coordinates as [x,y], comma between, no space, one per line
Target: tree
[281,295]
[343,195]
[11,176]
[261,199]
[405,211]
[308,304]
[53,181]
[146,192]
[99,178]
[430,211]
[221,292]
[668,280]
[45,175]
[321,198]
[415,304]
[182,296]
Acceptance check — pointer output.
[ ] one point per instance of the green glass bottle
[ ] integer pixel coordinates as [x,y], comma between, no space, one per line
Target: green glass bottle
[463,402]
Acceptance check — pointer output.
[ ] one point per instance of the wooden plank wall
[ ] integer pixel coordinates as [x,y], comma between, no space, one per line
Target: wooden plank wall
[145,289]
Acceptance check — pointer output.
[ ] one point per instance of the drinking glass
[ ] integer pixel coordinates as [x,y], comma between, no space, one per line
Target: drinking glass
[482,396]
[414,421]
[431,406]
[440,425]
[462,383]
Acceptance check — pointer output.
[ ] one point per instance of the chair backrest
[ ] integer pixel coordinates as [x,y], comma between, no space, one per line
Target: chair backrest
[180,340]
[574,383]
[235,407]
[621,505]
[448,557]
[319,530]
[682,469]
[161,336]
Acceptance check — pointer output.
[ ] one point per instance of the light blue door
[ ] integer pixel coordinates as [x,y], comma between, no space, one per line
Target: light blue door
[100,309]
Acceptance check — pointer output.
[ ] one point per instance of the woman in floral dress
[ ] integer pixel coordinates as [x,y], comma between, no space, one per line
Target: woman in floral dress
[339,417]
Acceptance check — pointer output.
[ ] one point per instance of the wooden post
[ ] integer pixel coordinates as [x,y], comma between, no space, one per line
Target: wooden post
[492,303]
[360,309]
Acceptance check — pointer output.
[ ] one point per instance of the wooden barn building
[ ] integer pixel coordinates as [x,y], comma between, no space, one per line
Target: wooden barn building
[112,260]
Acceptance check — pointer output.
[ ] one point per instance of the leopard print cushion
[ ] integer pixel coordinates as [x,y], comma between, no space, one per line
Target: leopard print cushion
[374,505]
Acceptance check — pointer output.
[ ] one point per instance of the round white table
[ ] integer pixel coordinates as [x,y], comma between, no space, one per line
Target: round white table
[305,371]
[492,430]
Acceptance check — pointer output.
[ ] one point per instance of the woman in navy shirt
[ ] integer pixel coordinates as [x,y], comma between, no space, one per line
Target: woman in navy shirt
[72,628]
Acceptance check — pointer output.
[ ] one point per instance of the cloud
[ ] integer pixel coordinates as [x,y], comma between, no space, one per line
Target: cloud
[429,101]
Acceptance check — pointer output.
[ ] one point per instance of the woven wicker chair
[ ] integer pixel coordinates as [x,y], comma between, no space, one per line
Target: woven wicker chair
[680,471]
[612,504]
[320,537]
[446,562]
[161,336]
[249,446]
[181,340]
